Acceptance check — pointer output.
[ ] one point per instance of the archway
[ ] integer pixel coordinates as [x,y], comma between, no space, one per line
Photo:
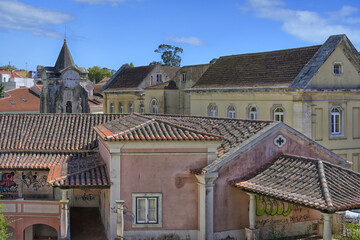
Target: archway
[40,231]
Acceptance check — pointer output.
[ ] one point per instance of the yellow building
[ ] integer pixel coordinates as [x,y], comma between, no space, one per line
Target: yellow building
[124,92]
[316,90]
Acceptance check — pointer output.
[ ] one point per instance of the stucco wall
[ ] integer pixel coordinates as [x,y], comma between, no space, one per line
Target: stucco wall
[168,175]
[231,204]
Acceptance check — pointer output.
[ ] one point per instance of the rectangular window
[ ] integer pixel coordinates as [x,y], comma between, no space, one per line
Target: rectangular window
[147,209]
[159,78]
[337,67]
[183,77]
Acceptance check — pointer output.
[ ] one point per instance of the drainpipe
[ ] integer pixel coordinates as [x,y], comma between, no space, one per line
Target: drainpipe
[327,226]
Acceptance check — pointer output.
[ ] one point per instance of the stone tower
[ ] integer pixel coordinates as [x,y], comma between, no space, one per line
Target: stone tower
[65,86]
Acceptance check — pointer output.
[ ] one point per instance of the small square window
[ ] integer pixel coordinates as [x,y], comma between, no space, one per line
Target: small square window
[147,208]
[337,68]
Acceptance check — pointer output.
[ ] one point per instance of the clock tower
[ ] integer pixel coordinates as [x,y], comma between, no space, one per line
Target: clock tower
[65,86]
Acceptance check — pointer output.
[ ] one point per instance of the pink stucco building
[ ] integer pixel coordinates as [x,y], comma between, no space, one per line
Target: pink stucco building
[156,176]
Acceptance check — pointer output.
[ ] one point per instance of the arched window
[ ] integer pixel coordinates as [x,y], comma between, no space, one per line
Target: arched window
[112,108]
[279,114]
[121,108]
[131,108]
[231,112]
[336,120]
[142,108]
[154,106]
[68,107]
[212,110]
[253,113]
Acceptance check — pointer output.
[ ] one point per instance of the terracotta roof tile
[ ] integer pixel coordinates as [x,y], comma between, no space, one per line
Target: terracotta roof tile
[137,127]
[277,68]
[81,172]
[309,182]
[20,99]
[57,132]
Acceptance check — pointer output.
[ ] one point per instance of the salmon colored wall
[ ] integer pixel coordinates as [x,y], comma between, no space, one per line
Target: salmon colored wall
[24,222]
[231,204]
[170,176]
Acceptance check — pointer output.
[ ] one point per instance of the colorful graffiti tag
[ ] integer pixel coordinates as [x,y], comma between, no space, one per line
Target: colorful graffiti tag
[7,183]
[34,181]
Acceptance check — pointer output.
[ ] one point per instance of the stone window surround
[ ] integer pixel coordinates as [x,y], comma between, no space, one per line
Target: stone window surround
[121,108]
[141,108]
[227,112]
[272,111]
[159,210]
[212,110]
[341,133]
[341,66]
[248,111]
[154,108]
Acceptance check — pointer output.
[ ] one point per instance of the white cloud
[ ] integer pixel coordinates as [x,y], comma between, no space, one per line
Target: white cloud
[92,2]
[309,26]
[187,40]
[15,15]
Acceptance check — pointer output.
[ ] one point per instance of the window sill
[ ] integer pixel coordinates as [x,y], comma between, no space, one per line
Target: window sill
[337,137]
[147,225]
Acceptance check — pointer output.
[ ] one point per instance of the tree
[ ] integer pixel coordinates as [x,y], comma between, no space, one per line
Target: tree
[212,61]
[9,67]
[4,224]
[96,74]
[169,55]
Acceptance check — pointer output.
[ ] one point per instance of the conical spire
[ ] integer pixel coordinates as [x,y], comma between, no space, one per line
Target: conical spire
[64,59]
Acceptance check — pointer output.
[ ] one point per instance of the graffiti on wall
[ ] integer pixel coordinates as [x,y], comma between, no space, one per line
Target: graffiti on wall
[272,207]
[87,195]
[34,181]
[7,183]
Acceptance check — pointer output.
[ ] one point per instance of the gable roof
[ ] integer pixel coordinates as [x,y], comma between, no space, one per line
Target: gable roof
[310,182]
[128,77]
[20,99]
[304,77]
[64,59]
[137,127]
[265,69]
[13,73]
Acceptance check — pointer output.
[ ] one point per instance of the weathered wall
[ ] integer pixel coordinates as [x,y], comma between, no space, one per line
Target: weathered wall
[168,175]
[231,204]
[34,184]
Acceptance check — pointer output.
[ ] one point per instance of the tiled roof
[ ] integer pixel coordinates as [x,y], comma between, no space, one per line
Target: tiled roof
[20,99]
[64,59]
[80,172]
[13,73]
[233,131]
[305,181]
[130,78]
[35,160]
[137,127]
[50,132]
[265,69]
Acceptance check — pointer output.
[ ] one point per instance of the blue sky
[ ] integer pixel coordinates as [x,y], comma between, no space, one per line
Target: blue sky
[109,33]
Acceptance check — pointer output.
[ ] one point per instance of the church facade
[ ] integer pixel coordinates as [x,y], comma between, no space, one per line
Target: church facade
[65,86]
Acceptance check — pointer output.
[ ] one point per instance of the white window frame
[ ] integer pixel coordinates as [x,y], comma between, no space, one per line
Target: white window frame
[154,106]
[279,116]
[336,121]
[231,111]
[212,110]
[341,68]
[147,223]
[251,114]
[159,78]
